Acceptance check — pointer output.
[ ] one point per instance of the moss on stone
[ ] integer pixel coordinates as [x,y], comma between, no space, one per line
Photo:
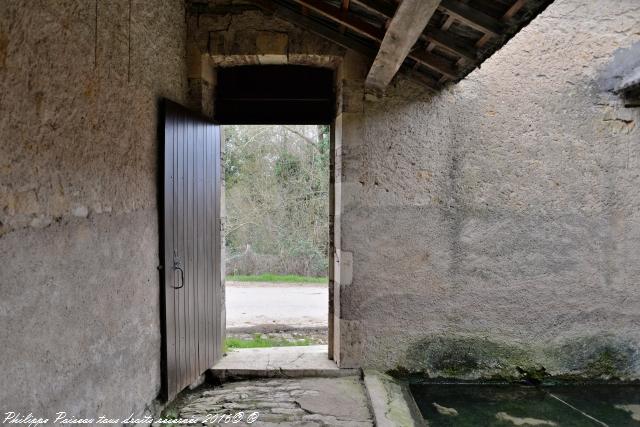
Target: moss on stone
[465,357]
[595,357]
[478,358]
[608,364]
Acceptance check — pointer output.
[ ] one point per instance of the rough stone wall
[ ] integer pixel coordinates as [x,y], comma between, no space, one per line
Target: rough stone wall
[247,36]
[491,226]
[80,83]
[497,225]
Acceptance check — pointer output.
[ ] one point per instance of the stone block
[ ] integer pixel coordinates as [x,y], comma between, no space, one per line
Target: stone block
[344,267]
[272,47]
[351,340]
[272,43]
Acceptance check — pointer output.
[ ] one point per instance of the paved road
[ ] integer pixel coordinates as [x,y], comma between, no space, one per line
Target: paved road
[252,304]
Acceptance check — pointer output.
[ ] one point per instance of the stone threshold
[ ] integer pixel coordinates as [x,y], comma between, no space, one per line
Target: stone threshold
[278,362]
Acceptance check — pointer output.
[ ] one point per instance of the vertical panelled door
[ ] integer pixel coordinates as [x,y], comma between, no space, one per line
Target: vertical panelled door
[192,291]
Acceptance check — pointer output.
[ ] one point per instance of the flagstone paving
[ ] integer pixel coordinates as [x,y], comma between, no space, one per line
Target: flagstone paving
[282,402]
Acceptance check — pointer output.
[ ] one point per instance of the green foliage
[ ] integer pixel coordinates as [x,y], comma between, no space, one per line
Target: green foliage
[277,198]
[277,278]
[287,167]
[259,342]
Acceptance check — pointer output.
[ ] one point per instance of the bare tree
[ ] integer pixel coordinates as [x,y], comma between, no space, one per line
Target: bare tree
[277,184]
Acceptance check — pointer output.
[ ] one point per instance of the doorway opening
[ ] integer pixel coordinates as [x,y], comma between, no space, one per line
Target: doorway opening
[281,126]
[277,236]
[279,143]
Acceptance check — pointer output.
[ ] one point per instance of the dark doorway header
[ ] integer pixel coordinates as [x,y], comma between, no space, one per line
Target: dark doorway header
[274,94]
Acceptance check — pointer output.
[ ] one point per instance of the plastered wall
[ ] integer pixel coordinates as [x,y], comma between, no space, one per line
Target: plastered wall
[80,83]
[496,225]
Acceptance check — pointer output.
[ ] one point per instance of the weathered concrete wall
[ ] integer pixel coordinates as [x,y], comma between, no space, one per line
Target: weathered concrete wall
[496,224]
[80,84]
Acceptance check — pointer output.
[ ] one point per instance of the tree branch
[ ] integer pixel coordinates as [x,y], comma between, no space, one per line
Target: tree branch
[304,137]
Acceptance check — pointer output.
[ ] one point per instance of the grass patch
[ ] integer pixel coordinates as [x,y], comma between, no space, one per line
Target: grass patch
[259,342]
[277,278]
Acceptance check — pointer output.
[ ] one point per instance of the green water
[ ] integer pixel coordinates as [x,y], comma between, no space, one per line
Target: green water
[512,405]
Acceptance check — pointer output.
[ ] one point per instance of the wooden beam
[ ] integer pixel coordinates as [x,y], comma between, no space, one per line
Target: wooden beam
[448,22]
[452,43]
[471,17]
[315,27]
[381,8]
[435,63]
[375,33]
[344,8]
[404,30]
[344,18]
[432,85]
[348,42]
[483,40]
[515,8]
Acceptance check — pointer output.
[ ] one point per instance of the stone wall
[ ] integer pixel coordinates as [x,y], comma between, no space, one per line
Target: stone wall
[496,224]
[491,226]
[80,84]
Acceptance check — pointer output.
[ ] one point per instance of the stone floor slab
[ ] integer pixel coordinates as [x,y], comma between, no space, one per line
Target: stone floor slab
[287,362]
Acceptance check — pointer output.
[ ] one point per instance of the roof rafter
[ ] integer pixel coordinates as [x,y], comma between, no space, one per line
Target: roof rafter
[378,7]
[405,28]
[471,17]
[343,17]
[445,40]
[457,39]
[334,35]
[317,28]
[364,28]
[452,43]
[515,8]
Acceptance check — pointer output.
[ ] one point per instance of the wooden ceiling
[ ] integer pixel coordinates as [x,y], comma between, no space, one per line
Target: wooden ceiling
[458,36]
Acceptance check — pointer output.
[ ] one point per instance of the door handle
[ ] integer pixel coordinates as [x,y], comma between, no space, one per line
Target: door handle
[177,265]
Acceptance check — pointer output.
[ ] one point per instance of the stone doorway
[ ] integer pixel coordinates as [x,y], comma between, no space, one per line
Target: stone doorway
[208,91]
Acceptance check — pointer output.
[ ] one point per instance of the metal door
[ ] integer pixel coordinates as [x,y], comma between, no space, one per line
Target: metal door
[192,303]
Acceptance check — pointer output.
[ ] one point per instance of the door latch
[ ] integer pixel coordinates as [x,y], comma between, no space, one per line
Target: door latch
[177,265]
